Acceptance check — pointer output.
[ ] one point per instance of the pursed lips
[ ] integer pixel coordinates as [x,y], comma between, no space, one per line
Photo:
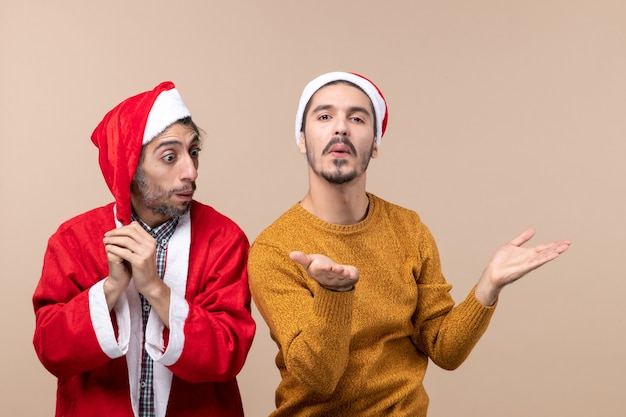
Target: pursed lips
[339,146]
[185,192]
[185,196]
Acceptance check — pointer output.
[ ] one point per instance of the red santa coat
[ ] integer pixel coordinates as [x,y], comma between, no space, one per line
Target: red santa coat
[96,354]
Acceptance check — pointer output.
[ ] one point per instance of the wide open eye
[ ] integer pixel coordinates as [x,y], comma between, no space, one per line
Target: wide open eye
[195,152]
[169,157]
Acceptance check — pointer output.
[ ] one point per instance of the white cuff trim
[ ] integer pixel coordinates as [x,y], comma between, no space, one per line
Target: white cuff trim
[102,325]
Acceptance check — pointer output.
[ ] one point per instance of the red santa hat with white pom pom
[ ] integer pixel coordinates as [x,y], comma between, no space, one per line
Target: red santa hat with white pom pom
[124,130]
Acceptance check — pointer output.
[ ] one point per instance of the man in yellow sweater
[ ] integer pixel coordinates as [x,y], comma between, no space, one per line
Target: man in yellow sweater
[351,285]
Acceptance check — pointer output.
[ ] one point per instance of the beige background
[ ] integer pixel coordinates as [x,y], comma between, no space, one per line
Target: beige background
[503,114]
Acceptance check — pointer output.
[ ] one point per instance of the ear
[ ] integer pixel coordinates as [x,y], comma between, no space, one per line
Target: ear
[302,144]
[375,149]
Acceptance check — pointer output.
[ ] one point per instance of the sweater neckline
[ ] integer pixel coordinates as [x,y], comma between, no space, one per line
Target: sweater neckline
[340,228]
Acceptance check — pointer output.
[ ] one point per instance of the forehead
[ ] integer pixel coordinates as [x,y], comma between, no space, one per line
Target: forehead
[340,94]
[176,133]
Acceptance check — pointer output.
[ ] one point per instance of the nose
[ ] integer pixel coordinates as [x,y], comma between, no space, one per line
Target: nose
[189,169]
[341,126]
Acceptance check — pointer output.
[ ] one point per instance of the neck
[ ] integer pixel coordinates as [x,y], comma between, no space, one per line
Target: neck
[342,204]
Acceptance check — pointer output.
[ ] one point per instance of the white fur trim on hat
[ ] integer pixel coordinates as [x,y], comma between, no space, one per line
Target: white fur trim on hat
[167,109]
[378,101]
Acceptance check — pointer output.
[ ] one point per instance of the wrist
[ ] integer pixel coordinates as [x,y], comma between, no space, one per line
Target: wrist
[340,289]
[112,291]
[155,291]
[486,292]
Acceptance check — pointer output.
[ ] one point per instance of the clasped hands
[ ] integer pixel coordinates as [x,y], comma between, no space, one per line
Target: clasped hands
[131,253]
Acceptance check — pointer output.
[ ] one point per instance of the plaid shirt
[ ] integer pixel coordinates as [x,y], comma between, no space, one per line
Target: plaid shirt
[162,235]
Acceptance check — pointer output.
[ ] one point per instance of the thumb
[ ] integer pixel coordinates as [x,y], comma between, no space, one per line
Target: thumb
[524,237]
[300,258]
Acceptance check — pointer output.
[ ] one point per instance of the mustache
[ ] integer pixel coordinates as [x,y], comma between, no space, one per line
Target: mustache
[189,187]
[339,139]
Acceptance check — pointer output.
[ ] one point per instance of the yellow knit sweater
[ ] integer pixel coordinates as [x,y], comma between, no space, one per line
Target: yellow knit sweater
[364,352]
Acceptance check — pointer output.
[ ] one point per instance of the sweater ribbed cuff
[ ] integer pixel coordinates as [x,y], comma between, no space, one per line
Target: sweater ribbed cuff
[333,306]
[475,311]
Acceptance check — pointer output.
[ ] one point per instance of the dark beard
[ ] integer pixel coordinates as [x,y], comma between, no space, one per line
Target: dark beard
[336,177]
[154,197]
[166,209]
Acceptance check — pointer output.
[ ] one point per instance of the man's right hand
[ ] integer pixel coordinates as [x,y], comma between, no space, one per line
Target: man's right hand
[326,272]
[120,273]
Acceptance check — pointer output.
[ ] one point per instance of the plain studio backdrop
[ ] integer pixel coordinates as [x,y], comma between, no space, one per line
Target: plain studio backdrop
[503,115]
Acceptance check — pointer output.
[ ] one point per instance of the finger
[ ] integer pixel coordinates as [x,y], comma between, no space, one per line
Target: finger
[116,252]
[113,258]
[563,246]
[558,247]
[139,243]
[122,242]
[133,230]
[120,231]
[346,271]
[545,247]
[354,272]
[339,271]
[140,234]
[551,253]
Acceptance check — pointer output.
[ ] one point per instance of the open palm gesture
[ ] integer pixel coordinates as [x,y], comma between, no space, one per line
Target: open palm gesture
[327,272]
[512,261]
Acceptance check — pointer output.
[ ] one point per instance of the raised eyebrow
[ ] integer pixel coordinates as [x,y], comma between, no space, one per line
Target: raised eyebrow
[166,143]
